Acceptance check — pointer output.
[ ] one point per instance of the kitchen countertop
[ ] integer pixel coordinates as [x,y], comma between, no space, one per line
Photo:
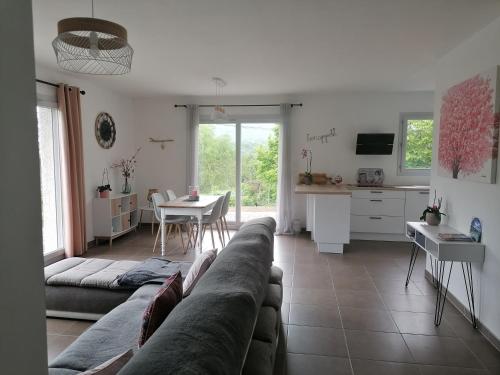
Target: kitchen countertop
[346,189]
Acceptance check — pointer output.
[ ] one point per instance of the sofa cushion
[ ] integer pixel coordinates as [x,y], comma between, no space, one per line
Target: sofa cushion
[167,297]
[112,366]
[114,333]
[274,296]
[205,334]
[276,276]
[197,270]
[265,328]
[260,358]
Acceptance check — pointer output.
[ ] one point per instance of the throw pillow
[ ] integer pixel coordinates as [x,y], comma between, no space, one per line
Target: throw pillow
[112,366]
[167,297]
[199,267]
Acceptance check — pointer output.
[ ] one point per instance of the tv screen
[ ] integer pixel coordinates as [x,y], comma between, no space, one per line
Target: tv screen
[374,143]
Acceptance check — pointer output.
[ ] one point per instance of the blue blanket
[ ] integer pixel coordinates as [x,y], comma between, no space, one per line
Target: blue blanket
[152,271]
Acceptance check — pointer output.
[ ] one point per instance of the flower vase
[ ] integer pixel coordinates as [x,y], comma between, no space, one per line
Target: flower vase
[126,188]
[432,218]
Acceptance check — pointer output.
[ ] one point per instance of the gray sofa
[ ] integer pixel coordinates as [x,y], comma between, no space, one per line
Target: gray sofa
[230,324]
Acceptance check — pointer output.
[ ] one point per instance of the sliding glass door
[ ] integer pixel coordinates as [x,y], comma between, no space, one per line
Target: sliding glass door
[241,157]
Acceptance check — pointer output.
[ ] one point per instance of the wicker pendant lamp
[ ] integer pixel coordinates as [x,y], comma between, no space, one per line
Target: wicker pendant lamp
[92,46]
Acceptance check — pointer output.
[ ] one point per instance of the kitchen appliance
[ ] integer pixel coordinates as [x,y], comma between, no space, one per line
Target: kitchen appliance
[370,177]
[374,143]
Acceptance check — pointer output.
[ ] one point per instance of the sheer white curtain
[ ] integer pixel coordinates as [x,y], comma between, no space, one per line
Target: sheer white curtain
[193,122]
[284,211]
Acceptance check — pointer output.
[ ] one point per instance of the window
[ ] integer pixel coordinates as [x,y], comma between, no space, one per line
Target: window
[415,145]
[241,157]
[50,178]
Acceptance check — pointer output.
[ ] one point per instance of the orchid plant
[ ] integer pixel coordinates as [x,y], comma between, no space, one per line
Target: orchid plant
[435,208]
[307,154]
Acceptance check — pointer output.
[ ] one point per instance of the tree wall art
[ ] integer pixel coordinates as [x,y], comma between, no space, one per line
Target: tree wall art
[469,126]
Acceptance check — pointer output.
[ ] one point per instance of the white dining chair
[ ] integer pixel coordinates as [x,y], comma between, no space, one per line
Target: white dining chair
[170,221]
[209,220]
[222,219]
[171,195]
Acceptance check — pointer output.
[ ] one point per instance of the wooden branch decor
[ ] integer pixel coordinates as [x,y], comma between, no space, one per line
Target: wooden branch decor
[161,141]
[323,138]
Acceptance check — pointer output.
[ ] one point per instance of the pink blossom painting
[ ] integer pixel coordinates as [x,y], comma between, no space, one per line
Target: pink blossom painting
[468,131]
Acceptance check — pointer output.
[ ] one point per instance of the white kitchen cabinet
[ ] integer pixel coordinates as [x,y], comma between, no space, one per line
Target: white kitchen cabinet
[416,202]
[331,222]
[377,224]
[378,206]
[381,214]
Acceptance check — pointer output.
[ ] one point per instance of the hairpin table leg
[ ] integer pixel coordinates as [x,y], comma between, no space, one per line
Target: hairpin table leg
[413,258]
[469,287]
[442,291]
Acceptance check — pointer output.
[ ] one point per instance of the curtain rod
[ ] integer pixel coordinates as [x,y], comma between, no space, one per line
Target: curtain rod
[237,105]
[54,84]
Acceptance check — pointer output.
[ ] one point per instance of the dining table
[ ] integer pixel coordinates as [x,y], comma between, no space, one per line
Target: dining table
[185,206]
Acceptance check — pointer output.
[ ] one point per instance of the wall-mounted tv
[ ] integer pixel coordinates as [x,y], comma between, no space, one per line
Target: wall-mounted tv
[374,143]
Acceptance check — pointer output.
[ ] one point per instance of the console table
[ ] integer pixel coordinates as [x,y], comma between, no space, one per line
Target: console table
[425,237]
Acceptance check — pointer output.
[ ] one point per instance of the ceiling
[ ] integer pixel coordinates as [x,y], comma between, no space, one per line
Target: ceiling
[274,46]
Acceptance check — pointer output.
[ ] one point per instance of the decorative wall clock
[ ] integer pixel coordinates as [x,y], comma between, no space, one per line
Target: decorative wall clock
[105,131]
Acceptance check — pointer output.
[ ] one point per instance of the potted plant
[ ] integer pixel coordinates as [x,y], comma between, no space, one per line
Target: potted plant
[432,214]
[104,189]
[127,167]
[307,154]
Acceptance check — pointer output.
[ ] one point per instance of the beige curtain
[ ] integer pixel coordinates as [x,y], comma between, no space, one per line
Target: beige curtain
[73,185]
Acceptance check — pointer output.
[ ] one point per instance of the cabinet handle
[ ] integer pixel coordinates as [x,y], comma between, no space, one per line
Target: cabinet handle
[375,200]
[375,218]
[376,192]
[424,192]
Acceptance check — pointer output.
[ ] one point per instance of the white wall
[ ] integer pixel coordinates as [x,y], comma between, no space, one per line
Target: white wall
[23,340]
[349,113]
[96,158]
[463,199]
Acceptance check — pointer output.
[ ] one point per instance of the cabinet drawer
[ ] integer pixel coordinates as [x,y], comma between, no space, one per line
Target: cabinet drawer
[377,224]
[378,206]
[378,193]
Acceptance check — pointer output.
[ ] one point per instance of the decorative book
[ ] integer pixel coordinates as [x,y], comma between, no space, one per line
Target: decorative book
[454,237]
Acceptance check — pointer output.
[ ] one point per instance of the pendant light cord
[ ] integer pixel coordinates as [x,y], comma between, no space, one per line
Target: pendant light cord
[92,8]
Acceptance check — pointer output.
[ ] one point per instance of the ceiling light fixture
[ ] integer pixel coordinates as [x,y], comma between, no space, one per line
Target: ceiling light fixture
[92,46]
[218,112]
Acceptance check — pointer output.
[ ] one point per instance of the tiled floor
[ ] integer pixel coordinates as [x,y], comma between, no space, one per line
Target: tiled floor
[344,314]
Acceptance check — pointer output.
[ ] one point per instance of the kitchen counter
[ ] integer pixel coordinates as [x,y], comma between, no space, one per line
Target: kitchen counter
[347,189]
[322,189]
[337,213]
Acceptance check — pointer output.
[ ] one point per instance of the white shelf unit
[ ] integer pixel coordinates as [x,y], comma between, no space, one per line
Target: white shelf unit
[115,216]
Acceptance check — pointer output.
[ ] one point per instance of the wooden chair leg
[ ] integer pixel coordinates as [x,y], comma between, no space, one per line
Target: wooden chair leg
[182,237]
[227,229]
[221,238]
[212,233]
[168,233]
[203,229]
[156,240]
[188,232]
